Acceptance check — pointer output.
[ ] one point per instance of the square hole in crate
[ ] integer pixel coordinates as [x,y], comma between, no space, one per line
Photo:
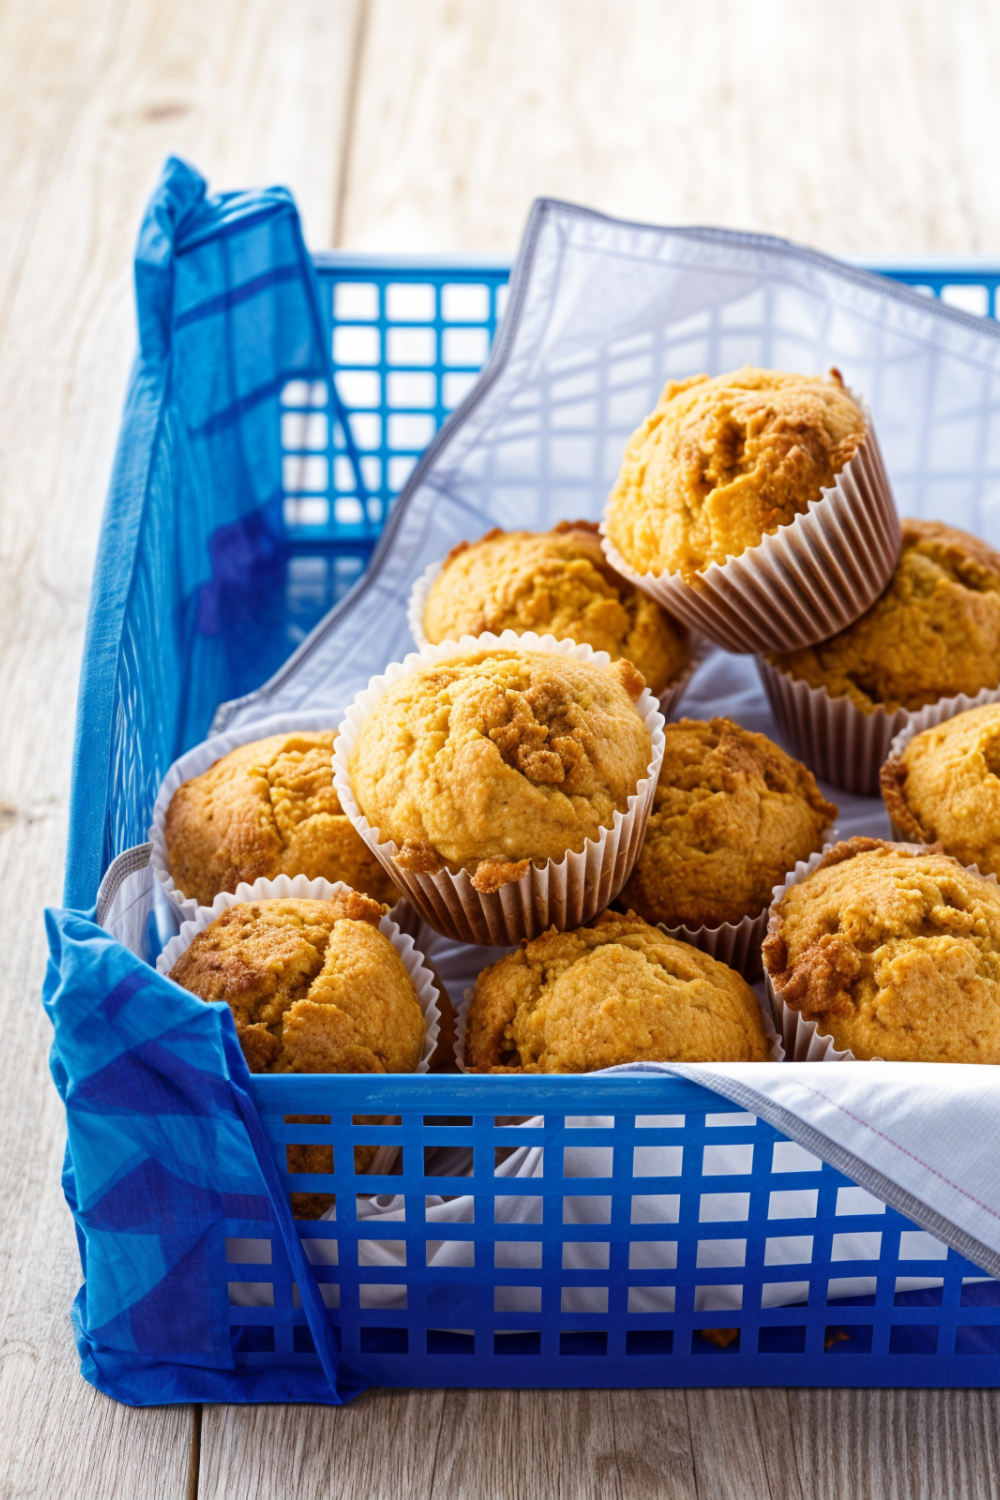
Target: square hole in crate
[913,1338]
[356,346]
[450,1341]
[850,1291]
[321,1252]
[716,1341]
[516,1341]
[328,1290]
[362,1201]
[446,1122]
[586,1255]
[649,1341]
[925,1296]
[722,1208]
[652,1255]
[504,1153]
[855,1200]
[656,1208]
[465,302]
[251,1338]
[590,1122]
[783,1293]
[404,346]
[866,1244]
[411,388]
[738,1117]
[372,1294]
[727,1161]
[788,1156]
[651,1299]
[588,1161]
[247,1252]
[385,1341]
[793,1203]
[788,1250]
[518,1209]
[980,1292]
[584,1299]
[455,386]
[782,1339]
[590,1342]
[917,1244]
[517,1299]
[977,1338]
[848,1338]
[359,388]
[721,1253]
[451,1252]
[355,299]
[519,1255]
[381,1252]
[589,1210]
[251,1294]
[659,1122]
[718,1298]
[410,302]
[657,1161]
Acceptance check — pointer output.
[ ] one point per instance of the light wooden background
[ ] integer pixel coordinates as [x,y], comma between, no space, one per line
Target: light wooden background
[865,126]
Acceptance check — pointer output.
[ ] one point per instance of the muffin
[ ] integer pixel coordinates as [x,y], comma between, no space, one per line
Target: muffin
[267,809]
[314,986]
[944,787]
[721,463]
[732,814]
[933,633]
[554,583]
[894,951]
[615,991]
[494,760]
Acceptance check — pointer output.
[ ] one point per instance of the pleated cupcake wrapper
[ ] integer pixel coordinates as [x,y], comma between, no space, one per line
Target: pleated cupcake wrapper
[809,580]
[317,890]
[669,699]
[201,758]
[564,893]
[462,1019]
[838,741]
[929,718]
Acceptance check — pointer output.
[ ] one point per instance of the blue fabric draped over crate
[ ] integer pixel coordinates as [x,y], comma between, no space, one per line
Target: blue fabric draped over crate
[165,1149]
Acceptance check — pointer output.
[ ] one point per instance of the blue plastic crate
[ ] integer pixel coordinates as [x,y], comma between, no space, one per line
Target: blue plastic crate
[191,609]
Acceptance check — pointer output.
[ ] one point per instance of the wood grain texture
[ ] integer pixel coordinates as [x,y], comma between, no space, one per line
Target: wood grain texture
[866,126]
[93,95]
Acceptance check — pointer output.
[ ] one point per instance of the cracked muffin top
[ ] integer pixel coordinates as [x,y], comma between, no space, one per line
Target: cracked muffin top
[732,815]
[615,991]
[722,463]
[314,986]
[894,950]
[499,758]
[933,633]
[263,810]
[554,583]
[945,787]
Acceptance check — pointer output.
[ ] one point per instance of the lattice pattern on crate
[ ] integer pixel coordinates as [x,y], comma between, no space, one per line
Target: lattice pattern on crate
[631,1237]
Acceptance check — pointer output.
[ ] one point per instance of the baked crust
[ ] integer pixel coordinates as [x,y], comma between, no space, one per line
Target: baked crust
[615,991]
[314,986]
[732,814]
[267,809]
[894,949]
[557,583]
[945,787]
[719,464]
[496,758]
[933,633]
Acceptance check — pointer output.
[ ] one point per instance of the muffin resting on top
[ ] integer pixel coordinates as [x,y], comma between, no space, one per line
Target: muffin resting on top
[496,759]
[895,951]
[732,815]
[933,633]
[722,463]
[554,583]
[313,986]
[945,787]
[615,991]
[263,810]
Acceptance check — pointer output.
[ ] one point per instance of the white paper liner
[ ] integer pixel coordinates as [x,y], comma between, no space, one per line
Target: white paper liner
[838,741]
[201,758]
[462,1017]
[809,580]
[801,1035]
[564,893]
[699,646]
[929,718]
[317,890]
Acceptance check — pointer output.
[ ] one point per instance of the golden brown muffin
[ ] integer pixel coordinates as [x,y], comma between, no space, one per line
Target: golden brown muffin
[313,986]
[722,463]
[494,759]
[263,810]
[945,787]
[732,815]
[554,583]
[615,991]
[933,633]
[895,951]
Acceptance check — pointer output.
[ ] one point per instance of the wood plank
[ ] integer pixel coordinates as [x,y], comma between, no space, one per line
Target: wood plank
[93,95]
[867,126]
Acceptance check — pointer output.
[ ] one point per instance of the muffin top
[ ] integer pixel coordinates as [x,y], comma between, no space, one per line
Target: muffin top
[894,950]
[555,583]
[497,758]
[267,809]
[615,991]
[722,463]
[732,814]
[313,986]
[933,633]
[945,787]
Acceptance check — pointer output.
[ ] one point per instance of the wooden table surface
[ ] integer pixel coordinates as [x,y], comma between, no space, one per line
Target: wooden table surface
[867,126]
